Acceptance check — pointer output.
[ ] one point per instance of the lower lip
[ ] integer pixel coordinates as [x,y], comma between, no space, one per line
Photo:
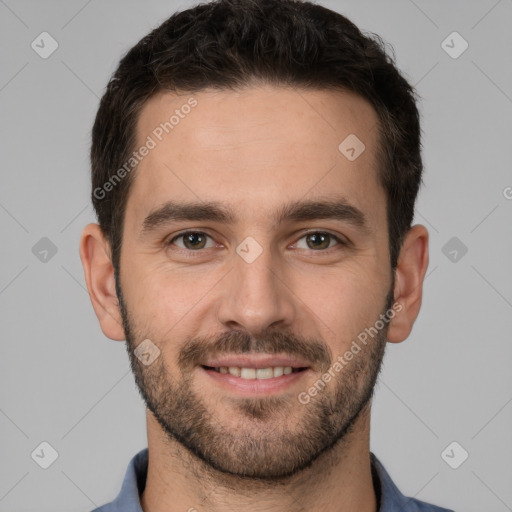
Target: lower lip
[255,386]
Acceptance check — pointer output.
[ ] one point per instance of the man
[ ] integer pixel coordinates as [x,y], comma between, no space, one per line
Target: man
[254,167]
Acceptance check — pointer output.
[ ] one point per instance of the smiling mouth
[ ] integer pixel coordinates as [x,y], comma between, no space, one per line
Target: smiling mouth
[255,373]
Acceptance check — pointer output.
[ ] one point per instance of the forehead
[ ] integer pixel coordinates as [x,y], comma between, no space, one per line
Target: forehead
[256,149]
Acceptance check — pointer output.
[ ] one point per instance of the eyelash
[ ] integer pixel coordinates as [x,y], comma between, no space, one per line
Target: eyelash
[184,233]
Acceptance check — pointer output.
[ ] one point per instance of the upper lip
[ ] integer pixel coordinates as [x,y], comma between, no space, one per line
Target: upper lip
[255,361]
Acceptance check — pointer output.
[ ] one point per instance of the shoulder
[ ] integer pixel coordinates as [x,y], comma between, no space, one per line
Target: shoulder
[134,482]
[391,499]
[414,505]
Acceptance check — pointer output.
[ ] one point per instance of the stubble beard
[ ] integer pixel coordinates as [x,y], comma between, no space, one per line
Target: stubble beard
[275,437]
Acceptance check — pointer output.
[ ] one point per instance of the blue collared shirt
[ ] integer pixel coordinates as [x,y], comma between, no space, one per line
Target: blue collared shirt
[390,498]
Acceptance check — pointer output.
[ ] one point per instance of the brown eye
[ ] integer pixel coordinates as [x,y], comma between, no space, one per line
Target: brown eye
[192,240]
[320,240]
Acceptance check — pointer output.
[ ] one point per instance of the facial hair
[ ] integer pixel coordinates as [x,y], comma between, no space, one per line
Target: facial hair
[263,446]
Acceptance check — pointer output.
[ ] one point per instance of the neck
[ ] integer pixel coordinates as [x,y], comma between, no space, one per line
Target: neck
[339,480]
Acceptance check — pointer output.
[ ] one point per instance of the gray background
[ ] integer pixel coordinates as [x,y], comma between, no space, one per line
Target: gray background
[64,383]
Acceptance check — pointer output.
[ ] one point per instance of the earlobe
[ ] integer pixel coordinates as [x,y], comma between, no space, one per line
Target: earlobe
[410,273]
[99,278]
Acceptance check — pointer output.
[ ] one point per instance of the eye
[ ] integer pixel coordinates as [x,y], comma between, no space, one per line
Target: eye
[197,240]
[192,240]
[318,240]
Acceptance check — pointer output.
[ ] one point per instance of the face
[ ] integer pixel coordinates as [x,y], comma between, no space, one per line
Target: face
[253,247]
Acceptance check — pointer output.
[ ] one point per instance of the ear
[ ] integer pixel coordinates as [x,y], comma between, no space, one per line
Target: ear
[410,273]
[99,276]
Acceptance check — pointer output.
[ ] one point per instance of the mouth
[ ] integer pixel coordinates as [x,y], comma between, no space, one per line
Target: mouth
[255,375]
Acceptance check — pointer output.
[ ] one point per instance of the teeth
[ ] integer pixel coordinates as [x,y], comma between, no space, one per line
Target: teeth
[256,373]
[248,373]
[264,373]
[278,371]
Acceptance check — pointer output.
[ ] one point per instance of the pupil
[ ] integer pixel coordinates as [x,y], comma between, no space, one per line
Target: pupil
[317,236]
[192,238]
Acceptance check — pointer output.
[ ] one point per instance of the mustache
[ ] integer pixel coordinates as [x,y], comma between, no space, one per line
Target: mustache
[239,342]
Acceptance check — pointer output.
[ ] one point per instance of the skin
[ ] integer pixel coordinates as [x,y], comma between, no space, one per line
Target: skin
[255,150]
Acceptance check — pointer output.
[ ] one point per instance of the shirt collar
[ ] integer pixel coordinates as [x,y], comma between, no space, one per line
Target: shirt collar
[389,498]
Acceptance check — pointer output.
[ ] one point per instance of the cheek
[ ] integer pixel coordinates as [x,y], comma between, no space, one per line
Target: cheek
[169,305]
[350,300]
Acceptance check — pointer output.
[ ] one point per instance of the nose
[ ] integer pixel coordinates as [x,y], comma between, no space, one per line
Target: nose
[257,295]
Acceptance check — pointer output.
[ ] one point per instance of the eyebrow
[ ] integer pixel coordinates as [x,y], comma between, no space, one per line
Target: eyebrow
[336,209]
